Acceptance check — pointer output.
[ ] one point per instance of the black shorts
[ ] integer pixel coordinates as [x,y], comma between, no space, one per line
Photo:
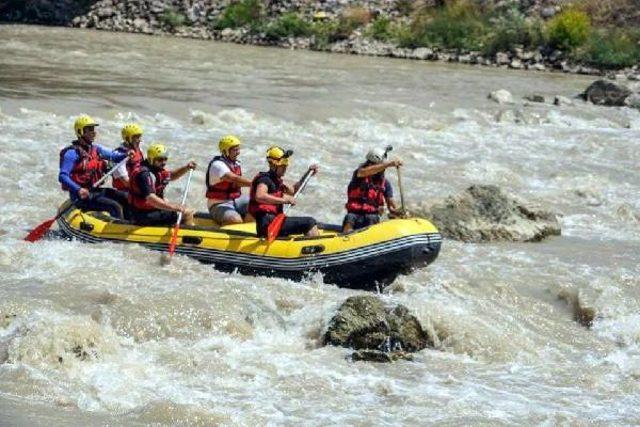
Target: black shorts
[155,217]
[358,221]
[291,225]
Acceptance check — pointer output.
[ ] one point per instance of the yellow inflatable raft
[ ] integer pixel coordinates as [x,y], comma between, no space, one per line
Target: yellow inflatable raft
[363,259]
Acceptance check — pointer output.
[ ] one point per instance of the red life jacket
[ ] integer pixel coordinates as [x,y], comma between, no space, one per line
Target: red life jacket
[365,195]
[224,190]
[160,180]
[119,183]
[133,162]
[88,169]
[266,208]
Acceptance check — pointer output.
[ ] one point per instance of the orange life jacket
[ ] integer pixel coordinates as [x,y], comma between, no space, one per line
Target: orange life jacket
[224,190]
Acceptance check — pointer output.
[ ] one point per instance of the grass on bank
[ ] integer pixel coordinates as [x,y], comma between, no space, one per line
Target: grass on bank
[590,31]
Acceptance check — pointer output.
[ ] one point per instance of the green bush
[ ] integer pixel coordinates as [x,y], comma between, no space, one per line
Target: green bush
[327,32]
[459,25]
[172,18]
[512,29]
[611,49]
[380,29]
[569,30]
[240,14]
[288,25]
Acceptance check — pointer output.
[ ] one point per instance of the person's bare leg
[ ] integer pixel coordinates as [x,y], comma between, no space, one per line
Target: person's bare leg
[313,232]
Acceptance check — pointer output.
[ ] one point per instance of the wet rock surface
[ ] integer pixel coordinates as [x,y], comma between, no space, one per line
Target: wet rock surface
[484,213]
[378,333]
[609,93]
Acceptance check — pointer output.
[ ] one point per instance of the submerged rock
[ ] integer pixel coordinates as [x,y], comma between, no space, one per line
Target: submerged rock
[484,213]
[501,96]
[603,92]
[386,333]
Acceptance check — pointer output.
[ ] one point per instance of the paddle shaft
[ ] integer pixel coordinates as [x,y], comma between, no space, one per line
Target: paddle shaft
[400,187]
[305,180]
[176,228]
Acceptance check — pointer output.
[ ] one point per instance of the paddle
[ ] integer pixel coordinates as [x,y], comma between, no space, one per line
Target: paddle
[276,224]
[176,228]
[38,232]
[403,212]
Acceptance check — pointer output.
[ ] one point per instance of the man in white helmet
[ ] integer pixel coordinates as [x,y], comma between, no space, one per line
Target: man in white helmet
[368,192]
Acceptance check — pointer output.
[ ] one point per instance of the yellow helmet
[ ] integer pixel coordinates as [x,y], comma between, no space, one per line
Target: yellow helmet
[82,122]
[129,130]
[278,156]
[156,151]
[227,142]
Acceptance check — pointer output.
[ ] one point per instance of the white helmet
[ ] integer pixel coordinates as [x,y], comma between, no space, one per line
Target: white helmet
[376,155]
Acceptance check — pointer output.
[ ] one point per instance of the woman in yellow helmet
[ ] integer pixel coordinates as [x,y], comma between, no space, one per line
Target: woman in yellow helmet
[269,194]
[146,190]
[224,182]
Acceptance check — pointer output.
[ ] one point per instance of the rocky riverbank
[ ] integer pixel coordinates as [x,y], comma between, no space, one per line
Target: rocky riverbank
[332,26]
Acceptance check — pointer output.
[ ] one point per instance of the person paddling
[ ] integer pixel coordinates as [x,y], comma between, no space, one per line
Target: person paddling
[147,183]
[131,138]
[82,164]
[368,192]
[269,193]
[224,181]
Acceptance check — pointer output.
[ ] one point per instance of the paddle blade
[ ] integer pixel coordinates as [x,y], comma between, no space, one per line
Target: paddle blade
[274,227]
[38,232]
[174,240]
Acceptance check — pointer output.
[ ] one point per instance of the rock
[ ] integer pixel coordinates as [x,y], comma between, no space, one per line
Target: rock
[483,213]
[363,323]
[422,53]
[380,356]
[104,12]
[140,24]
[633,101]
[502,58]
[562,100]
[547,12]
[516,64]
[501,96]
[535,97]
[603,92]
[537,67]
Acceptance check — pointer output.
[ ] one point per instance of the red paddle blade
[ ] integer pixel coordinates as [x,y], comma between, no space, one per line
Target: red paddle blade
[174,240]
[274,227]
[38,232]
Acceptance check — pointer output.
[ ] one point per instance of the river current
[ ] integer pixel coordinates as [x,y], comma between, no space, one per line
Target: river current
[105,335]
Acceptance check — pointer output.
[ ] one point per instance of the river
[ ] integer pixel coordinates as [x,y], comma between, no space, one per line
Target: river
[103,335]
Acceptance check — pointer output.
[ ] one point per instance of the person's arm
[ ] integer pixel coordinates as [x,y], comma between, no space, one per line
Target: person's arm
[64,176]
[177,173]
[112,155]
[160,203]
[238,179]
[263,196]
[314,170]
[145,184]
[377,168]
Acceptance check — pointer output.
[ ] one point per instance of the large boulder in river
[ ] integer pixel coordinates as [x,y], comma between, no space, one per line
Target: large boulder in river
[383,333]
[604,92]
[483,213]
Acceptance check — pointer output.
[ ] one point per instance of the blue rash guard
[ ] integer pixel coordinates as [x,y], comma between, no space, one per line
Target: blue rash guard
[71,158]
